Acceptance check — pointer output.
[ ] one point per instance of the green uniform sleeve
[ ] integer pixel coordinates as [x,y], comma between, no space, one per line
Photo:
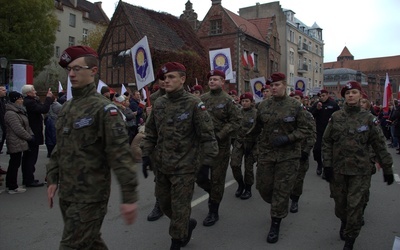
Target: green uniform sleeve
[327,145]
[233,121]
[302,130]
[378,144]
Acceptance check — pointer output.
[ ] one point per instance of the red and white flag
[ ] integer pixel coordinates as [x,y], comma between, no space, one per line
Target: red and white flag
[244,59]
[250,59]
[22,74]
[387,94]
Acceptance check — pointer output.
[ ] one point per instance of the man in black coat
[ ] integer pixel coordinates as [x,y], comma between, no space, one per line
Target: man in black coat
[35,110]
[3,93]
[322,112]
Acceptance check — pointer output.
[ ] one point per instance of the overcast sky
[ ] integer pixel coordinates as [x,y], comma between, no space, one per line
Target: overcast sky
[369,28]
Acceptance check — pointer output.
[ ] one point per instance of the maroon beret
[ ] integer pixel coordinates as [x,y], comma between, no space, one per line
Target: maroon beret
[74,52]
[299,93]
[351,85]
[215,72]
[171,67]
[276,77]
[159,74]
[197,88]
[246,95]
[364,95]
[323,91]
[232,92]
[265,87]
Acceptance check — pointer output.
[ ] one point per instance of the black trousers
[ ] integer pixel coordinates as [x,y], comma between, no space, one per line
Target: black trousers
[29,160]
[12,171]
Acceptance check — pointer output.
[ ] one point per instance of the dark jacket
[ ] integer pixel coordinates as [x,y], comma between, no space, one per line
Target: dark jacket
[323,115]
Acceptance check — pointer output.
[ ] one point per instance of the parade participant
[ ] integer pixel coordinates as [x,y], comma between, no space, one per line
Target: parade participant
[322,111]
[244,146]
[226,119]
[346,142]
[306,146]
[3,93]
[178,128]
[156,213]
[197,90]
[266,91]
[91,140]
[282,124]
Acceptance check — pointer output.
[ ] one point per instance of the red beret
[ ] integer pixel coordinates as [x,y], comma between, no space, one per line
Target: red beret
[197,88]
[265,87]
[246,95]
[171,67]
[74,52]
[159,74]
[276,77]
[298,93]
[351,85]
[215,72]
[232,92]
[155,88]
[323,91]
[364,95]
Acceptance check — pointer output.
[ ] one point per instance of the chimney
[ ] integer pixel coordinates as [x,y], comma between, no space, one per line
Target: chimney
[75,3]
[216,2]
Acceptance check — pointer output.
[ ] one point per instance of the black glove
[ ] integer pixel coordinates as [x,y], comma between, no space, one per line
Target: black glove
[304,156]
[388,178]
[328,173]
[280,140]
[145,163]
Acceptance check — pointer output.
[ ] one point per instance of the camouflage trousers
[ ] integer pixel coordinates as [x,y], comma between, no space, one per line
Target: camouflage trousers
[175,192]
[350,193]
[301,174]
[274,181]
[216,185]
[236,164]
[82,223]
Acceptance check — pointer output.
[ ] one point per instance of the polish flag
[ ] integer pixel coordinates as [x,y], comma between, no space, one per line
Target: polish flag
[250,59]
[22,74]
[387,94]
[244,59]
[60,88]
[123,89]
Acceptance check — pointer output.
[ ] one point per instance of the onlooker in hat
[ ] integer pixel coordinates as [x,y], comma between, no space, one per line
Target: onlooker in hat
[226,119]
[179,130]
[350,133]
[235,96]
[322,111]
[19,136]
[35,110]
[91,140]
[105,91]
[3,93]
[244,146]
[393,120]
[282,124]
[122,102]
[306,146]
[197,90]
[156,213]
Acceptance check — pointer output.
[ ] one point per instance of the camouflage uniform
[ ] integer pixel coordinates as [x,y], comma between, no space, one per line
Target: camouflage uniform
[177,128]
[226,119]
[306,146]
[346,142]
[91,139]
[277,166]
[244,146]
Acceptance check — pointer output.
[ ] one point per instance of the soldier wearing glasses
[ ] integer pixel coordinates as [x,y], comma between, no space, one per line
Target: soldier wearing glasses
[91,139]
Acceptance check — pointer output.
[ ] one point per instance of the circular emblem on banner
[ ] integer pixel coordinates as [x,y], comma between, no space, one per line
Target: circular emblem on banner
[141,63]
[300,85]
[221,62]
[258,88]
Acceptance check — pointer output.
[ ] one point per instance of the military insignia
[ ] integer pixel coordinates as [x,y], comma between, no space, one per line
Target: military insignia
[349,86]
[164,69]
[183,116]
[222,105]
[83,122]
[376,121]
[362,128]
[251,120]
[289,119]
[112,109]
[113,112]
[201,106]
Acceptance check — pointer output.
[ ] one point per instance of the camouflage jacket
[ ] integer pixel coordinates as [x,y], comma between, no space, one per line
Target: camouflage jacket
[347,139]
[91,139]
[278,116]
[177,128]
[224,113]
[156,95]
[308,142]
[249,117]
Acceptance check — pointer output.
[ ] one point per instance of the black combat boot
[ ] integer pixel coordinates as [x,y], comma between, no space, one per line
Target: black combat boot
[212,216]
[273,234]
[156,213]
[192,225]
[247,193]
[294,207]
[341,231]
[348,245]
[240,188]
[175,244]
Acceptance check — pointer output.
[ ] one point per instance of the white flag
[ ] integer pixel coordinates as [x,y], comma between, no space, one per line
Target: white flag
[142,63]
[60,88]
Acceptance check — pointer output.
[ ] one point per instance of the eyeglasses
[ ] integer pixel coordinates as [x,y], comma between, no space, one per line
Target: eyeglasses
[76,68]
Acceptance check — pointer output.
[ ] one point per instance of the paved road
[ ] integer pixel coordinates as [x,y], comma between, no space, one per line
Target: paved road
[26,222]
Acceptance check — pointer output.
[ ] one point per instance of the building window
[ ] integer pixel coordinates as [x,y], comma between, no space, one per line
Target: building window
[57,54]
[59,26]
[71,41]
[309,65]
[316,50]
[291,36]
[291,57]
[85,35]
[72,20]
[316,67]
[216,27]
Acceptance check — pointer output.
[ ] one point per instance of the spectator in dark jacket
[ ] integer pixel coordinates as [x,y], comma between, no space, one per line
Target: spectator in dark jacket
[50,123]
[35,110]
[137,110]
[3,93]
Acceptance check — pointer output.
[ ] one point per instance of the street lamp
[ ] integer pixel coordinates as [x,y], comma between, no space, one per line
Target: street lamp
[3,67]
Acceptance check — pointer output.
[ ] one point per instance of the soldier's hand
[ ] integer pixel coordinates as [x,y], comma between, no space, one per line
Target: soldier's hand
[145,163]
[388,178]
[328,173]
[280,140]
[304,156]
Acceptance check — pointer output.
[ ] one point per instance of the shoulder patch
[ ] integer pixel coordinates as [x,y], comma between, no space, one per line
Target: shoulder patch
[201,106]
[111,109]
[376,121]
